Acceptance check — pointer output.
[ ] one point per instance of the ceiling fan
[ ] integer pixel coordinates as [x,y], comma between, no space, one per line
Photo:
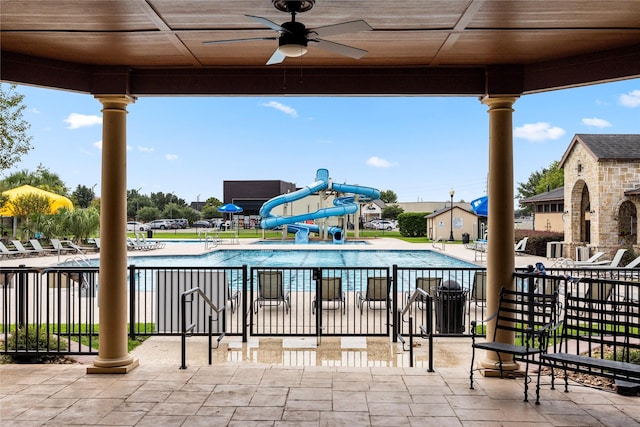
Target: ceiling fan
[295,37]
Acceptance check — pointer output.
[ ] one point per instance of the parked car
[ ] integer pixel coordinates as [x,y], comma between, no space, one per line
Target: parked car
[161,224]
[202,224]
[182,222]
[385,225]
[133,226]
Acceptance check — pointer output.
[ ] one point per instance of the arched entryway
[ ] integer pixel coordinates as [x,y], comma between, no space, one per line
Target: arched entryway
[580,213]
[627,223]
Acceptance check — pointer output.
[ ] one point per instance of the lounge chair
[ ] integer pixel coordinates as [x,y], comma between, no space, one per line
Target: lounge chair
[58,245]
[633,264]
[615,262]
[22,250]
[479,288]
[427,284]
[4,251]
[35,243]
[331,291]
[591,261]
[377,292]
[521,247]
[271,291]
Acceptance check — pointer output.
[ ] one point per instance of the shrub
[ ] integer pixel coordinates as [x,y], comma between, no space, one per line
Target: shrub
[412,224]
[537,243]
[34,339]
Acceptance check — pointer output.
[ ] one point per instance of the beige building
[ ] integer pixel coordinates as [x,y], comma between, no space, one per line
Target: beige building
[601,192]
[440,225]
[548,208]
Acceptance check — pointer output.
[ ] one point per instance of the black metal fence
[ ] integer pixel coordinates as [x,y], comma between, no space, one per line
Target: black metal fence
[63,302]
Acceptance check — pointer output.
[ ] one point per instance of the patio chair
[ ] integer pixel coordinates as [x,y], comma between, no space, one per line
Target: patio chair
[22,250]
[427,284]
[479,288]
[377,292]
[35,243]
[598,293]
[271,291]
[331,291]
[6,252]
[591,261]
[521,247]
[58,245]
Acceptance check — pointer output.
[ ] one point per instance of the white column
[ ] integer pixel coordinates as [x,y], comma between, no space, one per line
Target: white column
[500,246]
[113,356]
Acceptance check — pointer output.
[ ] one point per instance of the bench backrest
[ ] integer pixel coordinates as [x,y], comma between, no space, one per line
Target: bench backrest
[598,315]
[521,311]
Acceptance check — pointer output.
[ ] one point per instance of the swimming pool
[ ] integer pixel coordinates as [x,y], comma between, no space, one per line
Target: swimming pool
[304,258]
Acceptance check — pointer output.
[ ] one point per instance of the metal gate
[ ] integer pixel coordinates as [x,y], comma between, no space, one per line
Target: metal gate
[305,301]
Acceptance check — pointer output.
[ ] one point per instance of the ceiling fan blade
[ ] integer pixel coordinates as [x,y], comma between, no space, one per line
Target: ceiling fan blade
[345,27]
[341,49]
[276,58]
[240,40]
[270,24]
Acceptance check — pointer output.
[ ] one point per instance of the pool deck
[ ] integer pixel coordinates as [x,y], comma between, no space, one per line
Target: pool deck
[340,381]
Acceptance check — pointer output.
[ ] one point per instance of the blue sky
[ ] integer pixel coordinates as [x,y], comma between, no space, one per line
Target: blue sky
[419,147]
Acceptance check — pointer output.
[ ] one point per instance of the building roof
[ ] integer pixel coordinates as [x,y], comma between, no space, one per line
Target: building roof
[555,195]
[454,47]
[447,209]
[607,146]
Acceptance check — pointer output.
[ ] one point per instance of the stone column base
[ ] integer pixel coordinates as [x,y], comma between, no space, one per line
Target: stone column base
[114,369]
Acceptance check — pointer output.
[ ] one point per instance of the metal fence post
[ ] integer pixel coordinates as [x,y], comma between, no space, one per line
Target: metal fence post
[245,321]
[132,302]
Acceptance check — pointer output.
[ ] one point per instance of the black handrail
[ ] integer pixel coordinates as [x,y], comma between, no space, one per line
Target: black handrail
[187,329]
[426,332]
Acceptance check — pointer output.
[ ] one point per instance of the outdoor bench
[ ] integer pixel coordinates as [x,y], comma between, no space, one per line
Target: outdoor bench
[599,334]
[525,314]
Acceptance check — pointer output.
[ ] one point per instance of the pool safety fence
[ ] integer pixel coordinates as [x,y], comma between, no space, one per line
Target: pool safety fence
[56,310]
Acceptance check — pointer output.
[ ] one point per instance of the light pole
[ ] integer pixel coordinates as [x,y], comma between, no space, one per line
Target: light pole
[138,201]
[451,193]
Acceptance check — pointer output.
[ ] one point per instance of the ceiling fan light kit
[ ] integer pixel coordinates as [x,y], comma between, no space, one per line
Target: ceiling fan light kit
[295,37]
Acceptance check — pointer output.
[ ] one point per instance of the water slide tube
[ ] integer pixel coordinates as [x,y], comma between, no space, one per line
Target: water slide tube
[341,206]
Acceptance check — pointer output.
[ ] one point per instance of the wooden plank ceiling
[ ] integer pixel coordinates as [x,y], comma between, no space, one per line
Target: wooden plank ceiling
[466,47]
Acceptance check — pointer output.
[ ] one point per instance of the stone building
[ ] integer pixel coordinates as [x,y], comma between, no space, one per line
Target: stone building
[601,192]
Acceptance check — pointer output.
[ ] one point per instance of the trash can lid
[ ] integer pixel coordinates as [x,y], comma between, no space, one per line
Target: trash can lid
[450,285]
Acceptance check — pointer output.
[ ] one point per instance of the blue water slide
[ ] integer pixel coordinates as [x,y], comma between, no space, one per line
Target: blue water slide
[341,206]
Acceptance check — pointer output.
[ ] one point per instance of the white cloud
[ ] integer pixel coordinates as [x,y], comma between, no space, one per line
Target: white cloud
[538,132]
[76,121]
[595,122]
[377,162]
[34,110]
[281,107]
[171,157]
[631,99]
[146,149]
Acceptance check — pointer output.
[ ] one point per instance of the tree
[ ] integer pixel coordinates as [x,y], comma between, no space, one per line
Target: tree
[539,182]
[388,196]
[161,200]
[14,141]
[27,207]
[212,202]
[83,196]
[41,178]
[148,213]
[211,212]
[392,212]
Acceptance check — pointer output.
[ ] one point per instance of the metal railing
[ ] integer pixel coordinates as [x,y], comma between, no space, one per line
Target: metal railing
[188,297]
[317,301]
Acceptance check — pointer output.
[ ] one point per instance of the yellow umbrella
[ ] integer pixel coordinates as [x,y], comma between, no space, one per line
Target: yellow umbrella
[57,201]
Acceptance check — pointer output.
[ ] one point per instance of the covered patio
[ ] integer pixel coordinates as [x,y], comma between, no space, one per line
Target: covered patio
[497,51]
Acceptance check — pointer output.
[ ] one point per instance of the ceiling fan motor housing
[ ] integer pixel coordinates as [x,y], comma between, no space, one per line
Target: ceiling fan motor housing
[293,5]
[294,42]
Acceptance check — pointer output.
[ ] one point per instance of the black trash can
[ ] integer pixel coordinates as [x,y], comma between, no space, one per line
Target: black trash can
[149,233]
[450,302]
[465,238]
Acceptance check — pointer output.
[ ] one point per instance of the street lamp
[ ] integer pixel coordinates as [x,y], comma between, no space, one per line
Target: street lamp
[451,193]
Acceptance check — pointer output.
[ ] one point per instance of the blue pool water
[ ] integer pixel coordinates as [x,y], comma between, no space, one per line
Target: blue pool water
[305,258]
